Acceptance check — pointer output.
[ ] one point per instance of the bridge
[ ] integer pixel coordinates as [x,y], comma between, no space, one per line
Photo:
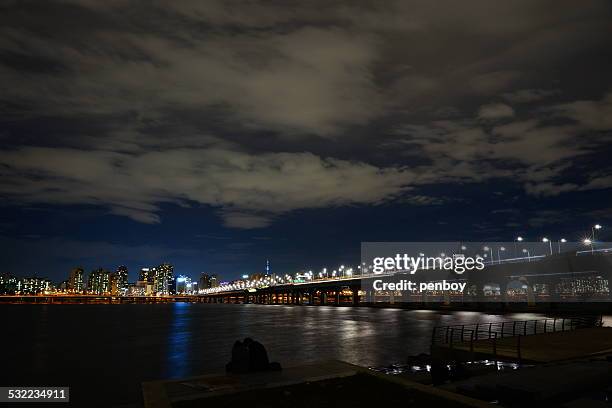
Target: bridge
[561,278]
[582,277]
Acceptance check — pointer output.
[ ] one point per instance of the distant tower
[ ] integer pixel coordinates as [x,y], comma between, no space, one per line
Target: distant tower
[267,267]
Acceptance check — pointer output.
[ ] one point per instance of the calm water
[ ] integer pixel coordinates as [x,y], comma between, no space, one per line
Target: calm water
[104,352]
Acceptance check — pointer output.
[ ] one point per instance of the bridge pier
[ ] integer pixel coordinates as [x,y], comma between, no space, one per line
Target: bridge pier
[355,290]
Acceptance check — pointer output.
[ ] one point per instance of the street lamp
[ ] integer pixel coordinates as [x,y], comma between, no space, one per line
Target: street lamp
[490,251]
[561,241]
[519,239]
[549,243]
[593,228]
[498,254]
[526,251]
[588,242]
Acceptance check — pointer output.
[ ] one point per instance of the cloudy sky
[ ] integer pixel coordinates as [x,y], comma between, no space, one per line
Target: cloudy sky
[216,134]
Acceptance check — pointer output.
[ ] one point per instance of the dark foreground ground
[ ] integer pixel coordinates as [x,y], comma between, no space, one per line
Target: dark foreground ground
[360,390]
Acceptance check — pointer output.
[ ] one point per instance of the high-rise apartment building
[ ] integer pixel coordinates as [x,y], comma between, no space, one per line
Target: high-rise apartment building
[75,281]
[99,282]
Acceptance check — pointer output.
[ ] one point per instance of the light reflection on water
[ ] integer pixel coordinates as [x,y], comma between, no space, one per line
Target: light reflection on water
[102,345]
[179,344]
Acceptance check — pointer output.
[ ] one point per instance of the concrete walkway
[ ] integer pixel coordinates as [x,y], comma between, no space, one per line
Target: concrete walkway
[163,394]
[160,394]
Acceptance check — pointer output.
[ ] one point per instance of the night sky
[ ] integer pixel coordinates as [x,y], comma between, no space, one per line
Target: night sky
[216,134]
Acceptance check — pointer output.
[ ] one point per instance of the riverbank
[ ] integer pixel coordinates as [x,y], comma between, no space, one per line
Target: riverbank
[497,307]
[329,383]
[570,368]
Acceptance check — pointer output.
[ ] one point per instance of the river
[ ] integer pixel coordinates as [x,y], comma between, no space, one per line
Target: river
[104,352]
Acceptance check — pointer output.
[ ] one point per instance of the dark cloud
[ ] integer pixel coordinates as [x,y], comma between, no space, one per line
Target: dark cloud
[248,188]
[495,111]
[257,109]
[593,115]
[529,95]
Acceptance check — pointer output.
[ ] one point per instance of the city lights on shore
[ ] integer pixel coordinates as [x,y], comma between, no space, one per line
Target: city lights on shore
[161,281]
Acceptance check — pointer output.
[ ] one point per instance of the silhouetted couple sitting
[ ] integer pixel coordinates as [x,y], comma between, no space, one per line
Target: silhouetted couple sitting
[250,356]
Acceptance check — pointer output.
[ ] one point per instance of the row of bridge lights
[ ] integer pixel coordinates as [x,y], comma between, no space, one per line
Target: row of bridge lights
[343,271]
[588,241]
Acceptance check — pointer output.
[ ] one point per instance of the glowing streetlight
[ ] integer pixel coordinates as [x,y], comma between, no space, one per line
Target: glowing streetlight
[588,242]
[561,241]
[498,253]
[519,239]
[526,251]
[549,243]
[490,251]
[593,228]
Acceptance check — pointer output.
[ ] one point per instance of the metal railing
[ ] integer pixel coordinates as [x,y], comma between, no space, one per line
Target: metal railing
[449,335]
[457,335]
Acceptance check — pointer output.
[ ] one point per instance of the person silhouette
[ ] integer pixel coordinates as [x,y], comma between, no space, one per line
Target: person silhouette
[258,356]
[240,358]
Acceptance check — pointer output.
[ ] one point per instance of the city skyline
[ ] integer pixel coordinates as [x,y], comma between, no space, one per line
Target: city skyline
[161,283]
[596,234]
[520,246]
